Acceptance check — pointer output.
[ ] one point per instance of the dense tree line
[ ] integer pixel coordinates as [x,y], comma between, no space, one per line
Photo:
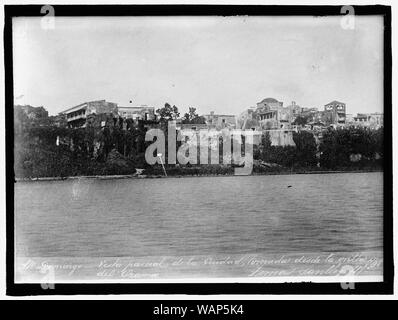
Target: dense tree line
[338,149]
[352,147]
[303,155]
[44,149]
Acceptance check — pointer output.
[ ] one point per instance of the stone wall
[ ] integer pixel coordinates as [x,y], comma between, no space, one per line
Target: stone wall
[281,138]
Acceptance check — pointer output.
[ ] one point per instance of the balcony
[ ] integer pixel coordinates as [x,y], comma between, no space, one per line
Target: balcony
[82,116]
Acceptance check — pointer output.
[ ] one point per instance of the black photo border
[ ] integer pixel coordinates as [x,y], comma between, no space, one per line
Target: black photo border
[14,289]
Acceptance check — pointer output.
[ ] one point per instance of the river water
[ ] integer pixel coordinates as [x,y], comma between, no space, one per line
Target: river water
[200,215]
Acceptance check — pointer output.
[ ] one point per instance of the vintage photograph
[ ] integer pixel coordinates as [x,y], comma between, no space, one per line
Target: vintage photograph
[198,148]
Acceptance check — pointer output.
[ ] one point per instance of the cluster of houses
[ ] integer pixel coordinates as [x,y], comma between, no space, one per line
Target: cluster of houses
[268,115]
[86,113]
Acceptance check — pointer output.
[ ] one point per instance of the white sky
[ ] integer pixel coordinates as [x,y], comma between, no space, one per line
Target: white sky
[225,64]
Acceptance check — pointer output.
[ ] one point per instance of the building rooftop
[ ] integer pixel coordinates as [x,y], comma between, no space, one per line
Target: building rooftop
[334,102]
[269,100]
[84,104]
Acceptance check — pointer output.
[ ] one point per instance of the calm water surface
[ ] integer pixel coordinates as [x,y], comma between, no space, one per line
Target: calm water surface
[209,215]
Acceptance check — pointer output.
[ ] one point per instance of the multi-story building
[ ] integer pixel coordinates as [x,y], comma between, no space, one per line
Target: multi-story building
[272,115]
[369,119]
[76,117]
[338,112]
[220,121]
[142,112]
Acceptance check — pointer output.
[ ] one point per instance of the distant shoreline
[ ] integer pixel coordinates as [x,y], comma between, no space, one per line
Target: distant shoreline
[152,176]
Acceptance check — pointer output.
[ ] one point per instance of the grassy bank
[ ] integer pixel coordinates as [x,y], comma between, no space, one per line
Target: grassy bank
[155,174]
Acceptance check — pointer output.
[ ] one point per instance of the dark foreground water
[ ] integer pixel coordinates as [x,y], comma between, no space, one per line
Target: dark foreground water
[200,216]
